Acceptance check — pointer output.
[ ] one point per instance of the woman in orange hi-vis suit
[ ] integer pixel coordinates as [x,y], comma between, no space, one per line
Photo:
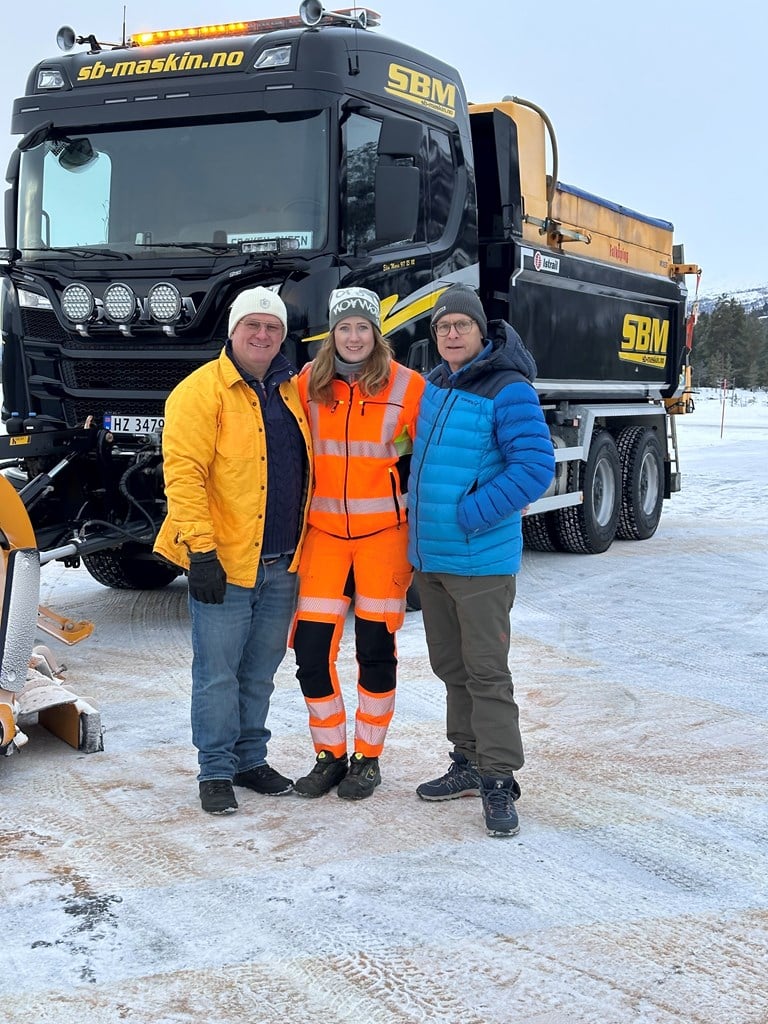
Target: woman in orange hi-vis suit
[361,406]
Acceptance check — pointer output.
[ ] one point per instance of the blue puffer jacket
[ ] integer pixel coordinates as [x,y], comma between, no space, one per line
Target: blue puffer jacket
[482,452]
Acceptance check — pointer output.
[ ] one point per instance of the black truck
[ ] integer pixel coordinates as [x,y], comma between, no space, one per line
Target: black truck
[155,179]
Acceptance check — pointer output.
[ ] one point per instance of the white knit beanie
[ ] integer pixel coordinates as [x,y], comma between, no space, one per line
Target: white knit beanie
[346,302]
[258,300]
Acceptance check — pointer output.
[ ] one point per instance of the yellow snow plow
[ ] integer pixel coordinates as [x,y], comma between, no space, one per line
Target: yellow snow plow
[31,681]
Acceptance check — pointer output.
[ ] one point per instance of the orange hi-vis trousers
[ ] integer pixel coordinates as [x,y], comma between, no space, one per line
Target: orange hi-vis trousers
[382,574]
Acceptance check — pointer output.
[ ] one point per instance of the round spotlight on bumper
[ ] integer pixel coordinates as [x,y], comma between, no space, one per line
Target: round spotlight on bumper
[120,303]
[77,303]
[164,301]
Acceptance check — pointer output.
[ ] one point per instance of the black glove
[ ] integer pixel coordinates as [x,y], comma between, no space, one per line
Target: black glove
[207,579]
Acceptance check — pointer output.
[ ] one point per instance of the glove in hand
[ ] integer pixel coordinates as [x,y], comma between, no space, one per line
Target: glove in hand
[207,579]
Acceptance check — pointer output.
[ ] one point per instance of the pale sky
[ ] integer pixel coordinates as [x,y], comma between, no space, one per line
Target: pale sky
[657,105]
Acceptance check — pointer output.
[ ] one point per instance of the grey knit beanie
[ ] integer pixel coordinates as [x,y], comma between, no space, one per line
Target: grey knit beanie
[346,302]
[460,299]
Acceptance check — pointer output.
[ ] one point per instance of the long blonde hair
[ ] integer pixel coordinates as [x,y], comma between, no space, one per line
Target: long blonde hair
[373,378]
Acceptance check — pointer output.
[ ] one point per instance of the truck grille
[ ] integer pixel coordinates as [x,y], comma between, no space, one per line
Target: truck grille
[126,375]
[137,382]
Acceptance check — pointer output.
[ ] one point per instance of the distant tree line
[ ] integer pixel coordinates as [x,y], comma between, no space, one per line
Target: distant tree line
[731,344]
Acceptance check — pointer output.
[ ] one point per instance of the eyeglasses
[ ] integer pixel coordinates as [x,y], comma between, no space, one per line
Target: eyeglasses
[442,329]
[256,325]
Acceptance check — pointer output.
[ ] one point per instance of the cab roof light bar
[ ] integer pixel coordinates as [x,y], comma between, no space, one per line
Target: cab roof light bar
[311,13]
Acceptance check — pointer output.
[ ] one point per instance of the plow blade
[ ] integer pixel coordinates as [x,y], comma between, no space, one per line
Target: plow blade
[31,684]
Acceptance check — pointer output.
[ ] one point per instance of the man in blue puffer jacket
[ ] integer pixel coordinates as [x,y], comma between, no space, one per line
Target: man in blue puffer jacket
[482,453]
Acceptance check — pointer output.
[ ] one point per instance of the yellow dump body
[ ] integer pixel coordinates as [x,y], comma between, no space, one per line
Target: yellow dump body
[574,221]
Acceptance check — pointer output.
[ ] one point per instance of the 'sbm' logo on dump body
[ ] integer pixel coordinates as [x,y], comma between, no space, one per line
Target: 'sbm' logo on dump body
[418,87]
[644,340]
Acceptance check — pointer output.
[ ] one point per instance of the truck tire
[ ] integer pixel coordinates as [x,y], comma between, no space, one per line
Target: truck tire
[589,528]
[540,532]
[642,483]
[130,568]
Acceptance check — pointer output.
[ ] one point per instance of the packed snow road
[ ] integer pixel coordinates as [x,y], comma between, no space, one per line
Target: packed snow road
[637,889]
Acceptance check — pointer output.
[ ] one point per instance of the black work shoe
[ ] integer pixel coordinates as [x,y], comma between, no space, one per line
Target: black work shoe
[499,797]
[363,777]
[264,780]
[461,779]
[217,796]
[327,773]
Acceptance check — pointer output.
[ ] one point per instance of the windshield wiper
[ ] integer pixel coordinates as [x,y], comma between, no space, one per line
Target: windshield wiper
[90,252]
[214,247]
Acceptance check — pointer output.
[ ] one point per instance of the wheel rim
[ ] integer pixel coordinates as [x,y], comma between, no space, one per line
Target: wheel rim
[649,484]
[604,492]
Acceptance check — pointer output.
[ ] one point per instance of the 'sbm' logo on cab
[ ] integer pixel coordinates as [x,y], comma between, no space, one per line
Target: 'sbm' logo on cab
[418,87]
[644,340]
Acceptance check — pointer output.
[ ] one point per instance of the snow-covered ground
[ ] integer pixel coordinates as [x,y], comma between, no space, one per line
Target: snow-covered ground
[636,891]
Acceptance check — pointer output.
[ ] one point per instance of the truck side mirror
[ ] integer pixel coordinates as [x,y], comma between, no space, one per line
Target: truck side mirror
[397,181]
[11,195]
[397,202]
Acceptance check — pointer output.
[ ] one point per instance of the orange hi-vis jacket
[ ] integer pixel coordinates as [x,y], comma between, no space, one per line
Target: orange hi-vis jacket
[357,442]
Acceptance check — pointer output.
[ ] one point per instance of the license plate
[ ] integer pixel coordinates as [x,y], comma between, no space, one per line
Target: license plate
[133,424]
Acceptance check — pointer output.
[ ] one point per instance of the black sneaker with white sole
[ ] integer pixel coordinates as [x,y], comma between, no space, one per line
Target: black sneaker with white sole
[217,796]
[264,780]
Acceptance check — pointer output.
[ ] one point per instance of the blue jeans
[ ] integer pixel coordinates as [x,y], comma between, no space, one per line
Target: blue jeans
[237,647]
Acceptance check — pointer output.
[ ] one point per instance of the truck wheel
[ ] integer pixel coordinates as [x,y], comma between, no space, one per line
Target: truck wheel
[540,532]
[642,483]
[590,528]
[130,568]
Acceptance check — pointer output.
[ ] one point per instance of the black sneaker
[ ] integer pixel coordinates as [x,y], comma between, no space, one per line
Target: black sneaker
[327,773]
[363,777]
[217,796]
[499,797]
[461,779]
[264,780]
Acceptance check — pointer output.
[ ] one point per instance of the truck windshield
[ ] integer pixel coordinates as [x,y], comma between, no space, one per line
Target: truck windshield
[212,185]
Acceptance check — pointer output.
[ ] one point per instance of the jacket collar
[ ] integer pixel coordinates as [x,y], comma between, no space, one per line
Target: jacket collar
[280,369]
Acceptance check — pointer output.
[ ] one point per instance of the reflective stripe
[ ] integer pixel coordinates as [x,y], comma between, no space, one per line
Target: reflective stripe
[379,605]
[357,506]
[376,707]
[356,449]
[400,382]
[373,735]
[314,420]
[326,739]
[395,400]
[323,606]
[324,709]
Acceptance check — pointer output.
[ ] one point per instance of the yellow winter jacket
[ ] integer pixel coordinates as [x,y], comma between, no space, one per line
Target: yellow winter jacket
[215,468]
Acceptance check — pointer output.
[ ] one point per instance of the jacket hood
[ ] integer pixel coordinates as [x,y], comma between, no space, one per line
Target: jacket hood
[504,350]
[509,349]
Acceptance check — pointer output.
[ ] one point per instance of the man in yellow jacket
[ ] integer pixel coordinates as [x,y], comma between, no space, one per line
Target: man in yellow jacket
[237,464]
